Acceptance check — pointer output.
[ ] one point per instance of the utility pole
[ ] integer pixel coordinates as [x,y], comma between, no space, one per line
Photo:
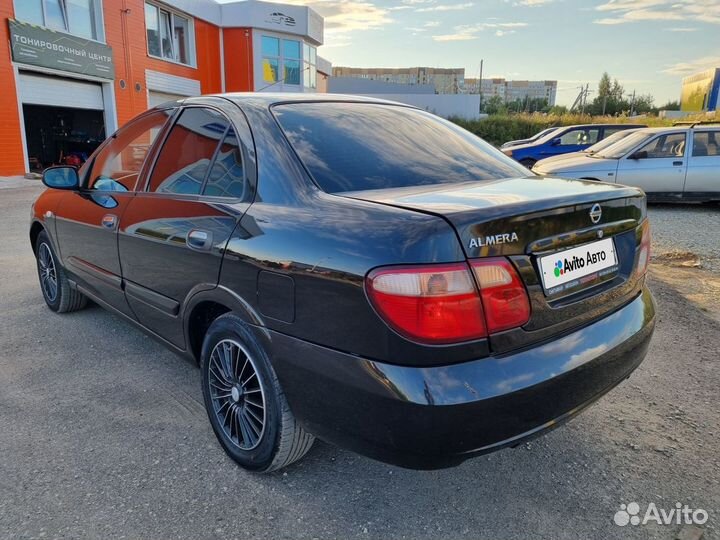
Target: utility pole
[604,103]
[632,104]
[584,94]
[480,107]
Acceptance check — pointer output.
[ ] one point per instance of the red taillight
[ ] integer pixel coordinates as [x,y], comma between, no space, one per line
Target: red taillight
[442,304]
[432,304]
[644,255]
[504,297]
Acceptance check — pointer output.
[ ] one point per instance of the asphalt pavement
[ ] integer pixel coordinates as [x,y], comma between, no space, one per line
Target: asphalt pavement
[103,435]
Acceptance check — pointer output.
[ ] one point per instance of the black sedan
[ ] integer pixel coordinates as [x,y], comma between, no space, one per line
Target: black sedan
[355,270]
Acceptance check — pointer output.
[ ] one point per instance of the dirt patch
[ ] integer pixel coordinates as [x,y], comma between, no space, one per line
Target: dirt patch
[684,273]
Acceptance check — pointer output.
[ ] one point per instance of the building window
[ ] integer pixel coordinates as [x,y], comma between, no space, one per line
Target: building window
[77,17]
[291,61]
[169,35]
[271,59]
[309,66]
[281,60]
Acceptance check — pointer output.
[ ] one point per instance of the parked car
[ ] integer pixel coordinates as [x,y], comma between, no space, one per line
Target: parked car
[563,141]
[535,137]
[601,145]
[353,269]
[669,164]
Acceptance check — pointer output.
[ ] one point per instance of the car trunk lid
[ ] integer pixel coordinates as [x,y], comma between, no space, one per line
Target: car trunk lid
[526,219]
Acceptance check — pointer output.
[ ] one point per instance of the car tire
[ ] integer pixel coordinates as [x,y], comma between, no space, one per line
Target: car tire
[245,403]
[528,162]
[59,295]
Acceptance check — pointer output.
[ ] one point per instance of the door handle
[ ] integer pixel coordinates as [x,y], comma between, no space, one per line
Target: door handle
[677,163]
[198,239]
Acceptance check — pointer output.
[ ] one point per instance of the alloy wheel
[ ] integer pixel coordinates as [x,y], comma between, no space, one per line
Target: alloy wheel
[48,272]
[236,393]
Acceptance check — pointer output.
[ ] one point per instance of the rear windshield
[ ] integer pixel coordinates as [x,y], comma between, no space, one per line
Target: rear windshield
[360,146]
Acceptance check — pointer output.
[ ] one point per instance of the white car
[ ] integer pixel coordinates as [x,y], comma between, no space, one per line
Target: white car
[670,164]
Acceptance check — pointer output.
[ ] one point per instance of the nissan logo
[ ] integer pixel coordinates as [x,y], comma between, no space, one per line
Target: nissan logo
[595,213]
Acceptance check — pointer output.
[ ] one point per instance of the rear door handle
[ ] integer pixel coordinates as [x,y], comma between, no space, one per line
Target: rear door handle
[677,163]
[198,239]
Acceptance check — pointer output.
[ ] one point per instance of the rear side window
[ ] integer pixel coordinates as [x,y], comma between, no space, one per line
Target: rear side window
[706,143]
[227,178]
[185,157]
[360,146]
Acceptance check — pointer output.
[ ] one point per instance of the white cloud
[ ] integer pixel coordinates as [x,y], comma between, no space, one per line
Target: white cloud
[446,7]
[628,11]
[533,3]
[580,358]
[693,66]
[343,16]
[431,24]
[681,29]
[466,32]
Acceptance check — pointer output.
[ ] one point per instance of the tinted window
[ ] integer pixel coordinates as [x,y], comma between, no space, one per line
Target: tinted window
[358,146]
[665,146]
[118,164]
[706,143]
[186,154]
[226,178]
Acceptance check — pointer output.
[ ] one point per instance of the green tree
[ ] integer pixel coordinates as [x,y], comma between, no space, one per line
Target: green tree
[494,105]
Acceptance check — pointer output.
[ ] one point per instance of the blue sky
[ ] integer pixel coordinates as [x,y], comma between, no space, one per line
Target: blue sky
[649,45]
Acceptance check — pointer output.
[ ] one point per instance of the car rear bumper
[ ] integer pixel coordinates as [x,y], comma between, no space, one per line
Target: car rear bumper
[433,417]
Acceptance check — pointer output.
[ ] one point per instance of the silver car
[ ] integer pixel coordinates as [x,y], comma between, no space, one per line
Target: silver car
[671,164]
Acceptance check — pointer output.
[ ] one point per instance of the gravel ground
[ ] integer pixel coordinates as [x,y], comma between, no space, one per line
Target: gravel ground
[103,434]
[691,228]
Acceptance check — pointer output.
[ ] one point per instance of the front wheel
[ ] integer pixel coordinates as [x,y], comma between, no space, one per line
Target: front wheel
[57,292]
[245,403]
[528,162]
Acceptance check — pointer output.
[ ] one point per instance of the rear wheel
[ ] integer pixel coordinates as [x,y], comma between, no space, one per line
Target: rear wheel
[528,162]
[57,292]
[245,403]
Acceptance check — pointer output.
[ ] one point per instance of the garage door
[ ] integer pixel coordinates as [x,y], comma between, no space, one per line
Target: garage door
[158,98]
[58,92]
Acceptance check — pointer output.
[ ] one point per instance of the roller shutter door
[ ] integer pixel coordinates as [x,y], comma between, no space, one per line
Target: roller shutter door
[59,92]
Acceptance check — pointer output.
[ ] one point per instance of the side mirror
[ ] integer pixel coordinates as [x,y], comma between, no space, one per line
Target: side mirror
[641,154]
[556,142]
[61,177]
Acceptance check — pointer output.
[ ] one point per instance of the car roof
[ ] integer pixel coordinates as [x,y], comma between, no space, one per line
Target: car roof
[267,99]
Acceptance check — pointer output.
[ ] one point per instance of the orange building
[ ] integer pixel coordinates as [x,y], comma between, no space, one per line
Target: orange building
[73,71]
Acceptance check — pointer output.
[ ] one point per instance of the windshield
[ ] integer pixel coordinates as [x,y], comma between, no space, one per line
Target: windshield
[361,146]
[623,146]
[542,134]
[608,141]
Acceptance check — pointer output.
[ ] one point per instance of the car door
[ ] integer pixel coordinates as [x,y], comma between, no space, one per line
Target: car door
[572,140]
[702,180]
[86,223]
[658,166]
[173,234]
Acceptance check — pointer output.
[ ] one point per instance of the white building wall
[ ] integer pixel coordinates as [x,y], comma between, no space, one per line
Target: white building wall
[446,105]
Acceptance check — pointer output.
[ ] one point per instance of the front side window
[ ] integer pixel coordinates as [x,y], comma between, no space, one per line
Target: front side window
[665,146]
[118,164]
[706,143]
[360,146]
[186,154]
[77,17]
[169,35]
[579,137]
